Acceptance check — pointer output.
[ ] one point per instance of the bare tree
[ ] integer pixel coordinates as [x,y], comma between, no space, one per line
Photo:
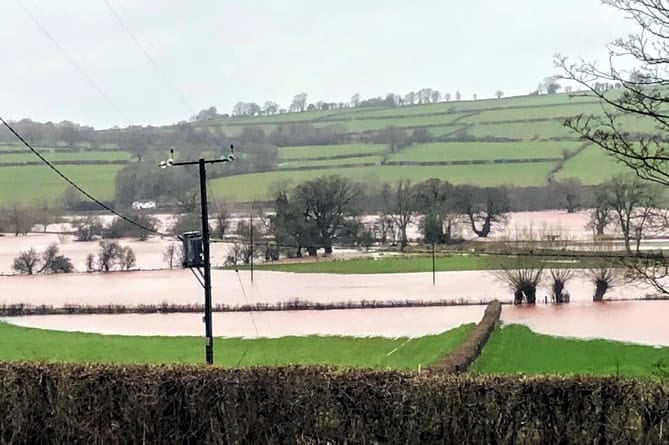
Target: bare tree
[90,263]
[126,258]
[222,217]
[172,254]
[27,262]
[522,273]
[600,215]
[560,276]
[50,261]
[482,206]
[634,204]
[54,262]
[642,91]
[325,203]
[399,204]
[604,278]
[108,255]
[607,273]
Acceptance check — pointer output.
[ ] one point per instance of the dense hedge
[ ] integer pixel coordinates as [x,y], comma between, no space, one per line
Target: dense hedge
[468,351]
[196,405]
[14,310]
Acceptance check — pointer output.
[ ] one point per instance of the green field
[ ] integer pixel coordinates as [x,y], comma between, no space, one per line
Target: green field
[33,183]
[406,264]
[331,162]
[461,151]
[516,349]
[107,155]
[528,131]
[317,151]
[592,166]
[534,122]
[258,186]
[402,264]
[18,343]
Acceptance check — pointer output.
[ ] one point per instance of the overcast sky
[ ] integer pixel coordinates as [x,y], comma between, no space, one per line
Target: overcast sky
[216,52]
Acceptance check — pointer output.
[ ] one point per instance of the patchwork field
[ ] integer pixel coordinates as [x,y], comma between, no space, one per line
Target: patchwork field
[493,141]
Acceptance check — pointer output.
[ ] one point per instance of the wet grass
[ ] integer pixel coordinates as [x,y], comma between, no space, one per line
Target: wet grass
[408,264]
[19,343]
[404,264]
[516,349]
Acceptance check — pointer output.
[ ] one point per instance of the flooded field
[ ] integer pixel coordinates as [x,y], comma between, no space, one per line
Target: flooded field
[408,322]
[519,225]
[634,322]
[231,288]
[639,322]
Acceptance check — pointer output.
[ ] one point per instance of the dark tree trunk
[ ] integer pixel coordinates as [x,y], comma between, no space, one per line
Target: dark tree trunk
[485,229]
[600,289]
[518,297]
[312,251]
[531,295]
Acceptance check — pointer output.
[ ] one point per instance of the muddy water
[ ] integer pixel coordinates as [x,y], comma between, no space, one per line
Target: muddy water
[634,322]
[642,322]
[408,322]
[231,288]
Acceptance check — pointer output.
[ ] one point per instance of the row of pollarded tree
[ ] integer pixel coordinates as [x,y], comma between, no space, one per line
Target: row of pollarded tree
[524,272]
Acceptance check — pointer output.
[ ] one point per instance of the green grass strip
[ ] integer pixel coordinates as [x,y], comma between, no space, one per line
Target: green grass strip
[29,344]
[516,349]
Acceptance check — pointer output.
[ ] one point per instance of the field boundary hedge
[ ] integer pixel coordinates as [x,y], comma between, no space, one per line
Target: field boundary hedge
[71,403]
[461,358]
[475,162]
[21,310]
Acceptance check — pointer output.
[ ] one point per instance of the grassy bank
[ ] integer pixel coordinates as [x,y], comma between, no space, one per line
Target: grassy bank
[515,348]
[18,343]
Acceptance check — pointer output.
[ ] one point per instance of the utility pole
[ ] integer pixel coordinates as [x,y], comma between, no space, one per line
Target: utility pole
[434,269]
[252,253]
[205,260]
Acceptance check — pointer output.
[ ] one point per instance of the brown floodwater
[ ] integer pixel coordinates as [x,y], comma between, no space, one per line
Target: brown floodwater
[406,322]
[231,288]
[642,322]
[634,322]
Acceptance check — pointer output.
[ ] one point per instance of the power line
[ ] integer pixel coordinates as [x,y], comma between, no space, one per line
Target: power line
[74,63]
[77,186]
[148,56]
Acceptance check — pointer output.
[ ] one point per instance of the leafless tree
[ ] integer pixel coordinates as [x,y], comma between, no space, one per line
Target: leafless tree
[638,68]
[399,203]
[50,261]
[172,254]
[634,204]
[560,277]
[90,263]
[642,92]
[27,262]
[522,273]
